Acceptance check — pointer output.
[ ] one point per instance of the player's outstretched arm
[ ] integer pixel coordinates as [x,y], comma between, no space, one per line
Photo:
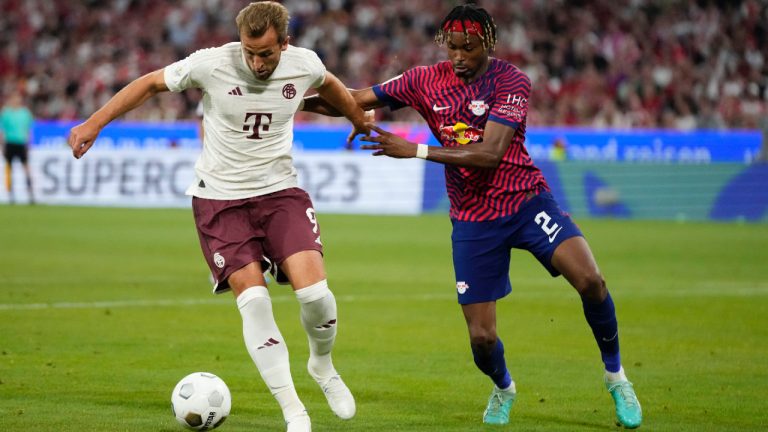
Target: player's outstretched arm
[316,104]
[337,95]
[485,154]
[82,136]
[364,98]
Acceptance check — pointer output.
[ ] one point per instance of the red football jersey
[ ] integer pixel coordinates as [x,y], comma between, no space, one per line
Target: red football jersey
[457,114]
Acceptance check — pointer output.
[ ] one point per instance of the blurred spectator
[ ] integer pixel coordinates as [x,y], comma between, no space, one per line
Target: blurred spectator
[558,153]
[664,63]
[15,130]
[611,117]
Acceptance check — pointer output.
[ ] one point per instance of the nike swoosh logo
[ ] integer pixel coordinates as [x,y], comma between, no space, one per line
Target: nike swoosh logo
[608,340]
[552,237]
[436,108]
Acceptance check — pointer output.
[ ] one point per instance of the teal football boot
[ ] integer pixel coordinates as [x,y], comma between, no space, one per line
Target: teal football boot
[628,411]
[499,405]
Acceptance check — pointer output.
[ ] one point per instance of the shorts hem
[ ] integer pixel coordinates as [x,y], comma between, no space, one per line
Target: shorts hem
[482,300]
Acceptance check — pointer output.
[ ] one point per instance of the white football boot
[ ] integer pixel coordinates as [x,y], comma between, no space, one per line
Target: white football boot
[339,397]
[299,423]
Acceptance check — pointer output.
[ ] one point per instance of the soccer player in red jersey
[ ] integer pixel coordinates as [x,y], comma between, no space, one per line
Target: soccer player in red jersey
[476,107]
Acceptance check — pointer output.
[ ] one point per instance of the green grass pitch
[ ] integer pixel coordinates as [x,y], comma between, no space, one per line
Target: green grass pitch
[103,310]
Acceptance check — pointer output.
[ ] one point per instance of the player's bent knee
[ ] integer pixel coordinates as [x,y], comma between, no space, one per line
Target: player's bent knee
[483,341]
[246,276]
[304,268]
[591,286]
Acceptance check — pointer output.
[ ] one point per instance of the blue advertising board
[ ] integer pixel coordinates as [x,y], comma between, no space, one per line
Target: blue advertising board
[650,174]
[122,135]
[643,146]
[587,145]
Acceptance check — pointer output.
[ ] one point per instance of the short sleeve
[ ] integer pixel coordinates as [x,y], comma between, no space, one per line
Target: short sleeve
[188,72]
[316,70]
[510,106]
[401,90]
[178,75]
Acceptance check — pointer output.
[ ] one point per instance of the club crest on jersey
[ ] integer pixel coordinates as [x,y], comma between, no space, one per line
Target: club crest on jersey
[462,133]
[289,91]
[478,107]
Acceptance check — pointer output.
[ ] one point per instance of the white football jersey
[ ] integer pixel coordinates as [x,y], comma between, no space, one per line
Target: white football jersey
[248,122]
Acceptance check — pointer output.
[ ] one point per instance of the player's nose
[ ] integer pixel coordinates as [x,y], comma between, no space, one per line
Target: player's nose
[256,63]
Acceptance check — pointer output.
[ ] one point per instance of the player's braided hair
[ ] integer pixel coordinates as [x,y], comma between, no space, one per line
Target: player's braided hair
[473,13]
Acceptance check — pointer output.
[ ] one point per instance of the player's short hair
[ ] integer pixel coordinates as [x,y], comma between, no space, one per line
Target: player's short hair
[471,19]
[255,19]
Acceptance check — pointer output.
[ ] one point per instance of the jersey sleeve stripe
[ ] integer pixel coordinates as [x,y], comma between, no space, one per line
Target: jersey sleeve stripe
[391,102]
[503,121]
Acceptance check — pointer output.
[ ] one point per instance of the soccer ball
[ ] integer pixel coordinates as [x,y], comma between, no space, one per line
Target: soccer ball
[201,401]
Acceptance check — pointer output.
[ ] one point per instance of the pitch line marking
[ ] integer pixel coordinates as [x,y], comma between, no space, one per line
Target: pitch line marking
[225,300]
[708,290]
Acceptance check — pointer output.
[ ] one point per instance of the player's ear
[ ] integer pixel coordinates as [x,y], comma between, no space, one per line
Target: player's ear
[284,45]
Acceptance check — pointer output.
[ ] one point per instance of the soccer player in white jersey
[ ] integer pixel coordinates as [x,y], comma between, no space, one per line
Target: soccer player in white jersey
[249,212]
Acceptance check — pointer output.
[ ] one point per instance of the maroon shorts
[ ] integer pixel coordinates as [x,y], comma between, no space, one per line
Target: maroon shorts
[235,233]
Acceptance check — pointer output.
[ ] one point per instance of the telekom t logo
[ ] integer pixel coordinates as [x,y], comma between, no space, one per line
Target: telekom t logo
[257,124]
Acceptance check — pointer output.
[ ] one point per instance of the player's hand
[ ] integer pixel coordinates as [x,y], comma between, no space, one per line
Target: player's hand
[370,116]
[388,144]
[82,137]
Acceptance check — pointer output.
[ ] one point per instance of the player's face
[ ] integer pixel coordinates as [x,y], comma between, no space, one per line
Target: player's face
[263,53]
[469,58]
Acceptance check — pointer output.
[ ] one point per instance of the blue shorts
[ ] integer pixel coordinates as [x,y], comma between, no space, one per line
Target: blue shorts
[481,250]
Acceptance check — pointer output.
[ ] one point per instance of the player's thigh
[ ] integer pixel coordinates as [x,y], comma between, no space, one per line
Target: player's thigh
[304,268]
[245,277]
[480,261]
[293,237]
[542,228]
[229,238]
[574,260]
[481,320]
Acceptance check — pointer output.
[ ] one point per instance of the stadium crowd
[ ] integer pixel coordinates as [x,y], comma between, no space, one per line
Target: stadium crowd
[604,63]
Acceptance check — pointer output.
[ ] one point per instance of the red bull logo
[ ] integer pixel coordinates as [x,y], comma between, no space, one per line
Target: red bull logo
[461,133]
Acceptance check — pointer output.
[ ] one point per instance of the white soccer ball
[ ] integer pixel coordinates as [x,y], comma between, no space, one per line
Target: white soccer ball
[201,401]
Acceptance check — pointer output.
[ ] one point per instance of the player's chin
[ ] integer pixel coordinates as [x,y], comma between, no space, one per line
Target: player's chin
[263,75]
[462,71]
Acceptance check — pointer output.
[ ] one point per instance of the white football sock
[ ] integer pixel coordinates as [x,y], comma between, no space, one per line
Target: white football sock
[318,316]
[267,348]
[510,389]
[615,376]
